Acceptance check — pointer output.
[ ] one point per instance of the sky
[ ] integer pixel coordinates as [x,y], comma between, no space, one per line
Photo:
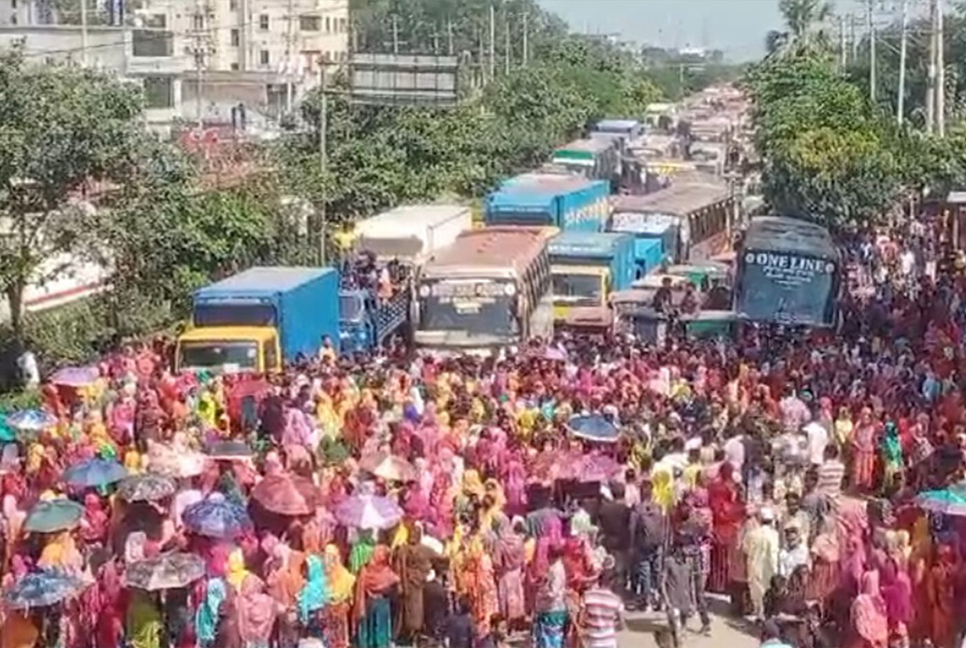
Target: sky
[736,26]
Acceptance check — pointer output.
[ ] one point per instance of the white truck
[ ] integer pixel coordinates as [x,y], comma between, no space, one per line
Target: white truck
[410,235]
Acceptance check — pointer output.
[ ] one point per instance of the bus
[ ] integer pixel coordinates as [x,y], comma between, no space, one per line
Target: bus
[789,271]
[491,289]
[699,211]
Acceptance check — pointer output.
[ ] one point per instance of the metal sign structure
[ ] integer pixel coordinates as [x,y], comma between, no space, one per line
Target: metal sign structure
[404,79]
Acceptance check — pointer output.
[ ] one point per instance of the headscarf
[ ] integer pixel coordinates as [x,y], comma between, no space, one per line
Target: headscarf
[236,572]
[340,580]
[869,611]
[361,551]
[61,553]
[256,613]
[313,595]
[897,594]
[95,520]
[375,578]
[662,488]
[472,484]
[206,618]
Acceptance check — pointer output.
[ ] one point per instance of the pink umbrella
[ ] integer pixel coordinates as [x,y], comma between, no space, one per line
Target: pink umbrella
[368,512]
[388,467]
[76,377]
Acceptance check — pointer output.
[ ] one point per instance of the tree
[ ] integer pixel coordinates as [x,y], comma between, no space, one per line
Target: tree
[62,130]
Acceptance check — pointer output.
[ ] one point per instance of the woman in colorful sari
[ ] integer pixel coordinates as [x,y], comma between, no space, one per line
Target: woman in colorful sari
[826,554]
[870,625]
[256,613]
[726,516]
[413,563]
[551,606]
[61,554]
[144,621]
[372,608]
[109,626]
[897,593]
[943,578]
[509,561]
[312,597]
[335,614]
[863,451]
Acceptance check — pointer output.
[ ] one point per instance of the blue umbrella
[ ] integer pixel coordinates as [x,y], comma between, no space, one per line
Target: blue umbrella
[53,515]
[40,589]
[31,420]
[92,473]
[216,517]
[593,427]
[948,501]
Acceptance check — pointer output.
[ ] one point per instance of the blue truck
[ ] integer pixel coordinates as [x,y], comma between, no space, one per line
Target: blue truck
[566,202]
[259,319]
[586,267]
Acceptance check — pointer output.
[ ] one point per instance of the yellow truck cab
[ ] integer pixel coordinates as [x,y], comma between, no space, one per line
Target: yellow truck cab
[231,348]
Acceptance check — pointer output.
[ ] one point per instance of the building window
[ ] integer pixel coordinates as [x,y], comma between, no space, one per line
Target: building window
[328,25]
[199,22]
[149,42]
[158,92]
[234,67]
[13,4]
[342,23]
[235,38]
[13,19]
[310,23]
[232,5]
[263,22]
[263,57]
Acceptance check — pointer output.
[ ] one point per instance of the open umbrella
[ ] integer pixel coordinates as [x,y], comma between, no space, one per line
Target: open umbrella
[593,427]
[286,495]
[388,467]
[167,571]
[54,515]
[31,420]
[146,488]
[94,472]
[368,512]
[229,450]
[42,588]
[216,517]
[75,376]
[948,501]
[176,462]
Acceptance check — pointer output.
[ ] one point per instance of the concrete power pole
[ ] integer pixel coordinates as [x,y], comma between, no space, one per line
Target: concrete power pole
[395,34]
[931,72]
[526,38]
[843,53]
[506,41]
[903,47]
[940,72]
[83,19]
[872,89]
[200,48]
[492,41]
[323,153]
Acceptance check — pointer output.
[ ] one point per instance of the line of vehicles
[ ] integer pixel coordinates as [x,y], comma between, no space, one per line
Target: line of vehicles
[573,245]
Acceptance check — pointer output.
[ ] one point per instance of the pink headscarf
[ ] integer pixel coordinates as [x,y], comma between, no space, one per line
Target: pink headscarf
[869,612]
[897,593]
[256,612]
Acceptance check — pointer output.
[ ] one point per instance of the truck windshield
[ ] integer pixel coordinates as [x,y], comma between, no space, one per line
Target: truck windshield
[207,315]
[533,219]
[577,290]
[350,307]
[217,354]
[481,308]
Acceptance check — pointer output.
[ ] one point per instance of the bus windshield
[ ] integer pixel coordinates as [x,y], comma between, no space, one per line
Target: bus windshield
[577,290]
[475,307]
[784,289]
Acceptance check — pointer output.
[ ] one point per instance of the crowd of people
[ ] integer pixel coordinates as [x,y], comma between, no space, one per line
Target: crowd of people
[781,469]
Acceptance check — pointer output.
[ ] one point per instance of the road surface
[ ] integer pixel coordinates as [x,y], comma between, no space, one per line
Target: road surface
[724,632]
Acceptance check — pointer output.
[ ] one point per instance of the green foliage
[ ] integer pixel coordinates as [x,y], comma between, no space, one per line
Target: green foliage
[827,155]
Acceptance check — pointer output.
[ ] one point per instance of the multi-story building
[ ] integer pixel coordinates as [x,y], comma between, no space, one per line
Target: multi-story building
[261,55]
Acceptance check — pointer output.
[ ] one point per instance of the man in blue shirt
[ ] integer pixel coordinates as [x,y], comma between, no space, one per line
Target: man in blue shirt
[771,636]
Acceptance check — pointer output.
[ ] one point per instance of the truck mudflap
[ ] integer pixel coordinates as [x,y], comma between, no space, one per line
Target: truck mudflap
[587,319]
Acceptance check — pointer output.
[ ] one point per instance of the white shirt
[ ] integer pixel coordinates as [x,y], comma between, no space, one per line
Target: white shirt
[27,363]
[789,559]
[734,451]
[817,440]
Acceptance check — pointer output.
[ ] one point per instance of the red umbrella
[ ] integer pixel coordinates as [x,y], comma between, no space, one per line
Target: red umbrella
[286,495]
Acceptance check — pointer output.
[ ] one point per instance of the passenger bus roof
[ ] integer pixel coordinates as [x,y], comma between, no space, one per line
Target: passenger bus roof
[679,199]
[592,145]
[789,235]
[616,125]
[496,252]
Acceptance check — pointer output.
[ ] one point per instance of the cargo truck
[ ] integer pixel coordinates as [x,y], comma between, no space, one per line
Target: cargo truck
[566,202]
[596,158]
[405,237]
[585,268]
[259,319]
